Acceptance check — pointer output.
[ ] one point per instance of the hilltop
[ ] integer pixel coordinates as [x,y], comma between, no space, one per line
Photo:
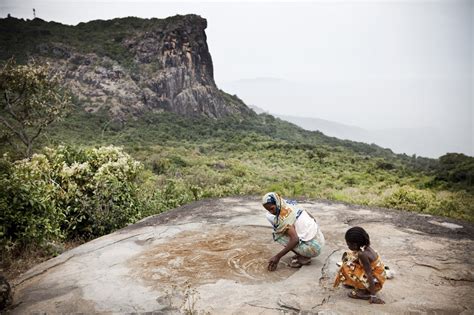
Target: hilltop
[127,66]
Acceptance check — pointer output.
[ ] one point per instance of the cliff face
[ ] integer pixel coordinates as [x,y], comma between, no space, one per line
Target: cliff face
[127,66]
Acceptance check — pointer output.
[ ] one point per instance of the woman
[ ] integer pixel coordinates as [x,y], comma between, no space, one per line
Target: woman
[295,229]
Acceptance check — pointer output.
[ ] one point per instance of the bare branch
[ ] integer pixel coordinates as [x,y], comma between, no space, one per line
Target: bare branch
[10,110]
[16,132]
[38,132]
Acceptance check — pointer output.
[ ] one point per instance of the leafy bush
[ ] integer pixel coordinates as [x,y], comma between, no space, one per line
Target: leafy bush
[408,198]
[67,192]
[456,167]
[28,211]
[98,189]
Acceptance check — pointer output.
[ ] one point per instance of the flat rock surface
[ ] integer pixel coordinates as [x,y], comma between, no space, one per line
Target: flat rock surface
[211,256]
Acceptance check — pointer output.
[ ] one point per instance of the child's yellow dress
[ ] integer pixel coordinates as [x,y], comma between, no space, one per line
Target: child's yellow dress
[352,272]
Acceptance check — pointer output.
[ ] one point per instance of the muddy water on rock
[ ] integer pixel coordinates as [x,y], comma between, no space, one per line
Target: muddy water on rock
[199,257]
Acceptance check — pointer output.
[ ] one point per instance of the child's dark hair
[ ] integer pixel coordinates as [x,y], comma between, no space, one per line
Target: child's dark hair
[358,236]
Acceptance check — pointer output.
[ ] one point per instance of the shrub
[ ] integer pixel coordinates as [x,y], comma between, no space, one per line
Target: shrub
[99,193]
[28,211]
[67,192]
[456,167]
[408,198]
[383,165]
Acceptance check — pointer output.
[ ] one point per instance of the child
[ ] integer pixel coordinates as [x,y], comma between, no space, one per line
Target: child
[362,268]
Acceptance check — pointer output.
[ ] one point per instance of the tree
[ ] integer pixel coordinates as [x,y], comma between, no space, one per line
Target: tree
[31,99]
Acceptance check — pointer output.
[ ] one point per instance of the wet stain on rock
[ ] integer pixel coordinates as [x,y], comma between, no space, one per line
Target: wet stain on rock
[199,257]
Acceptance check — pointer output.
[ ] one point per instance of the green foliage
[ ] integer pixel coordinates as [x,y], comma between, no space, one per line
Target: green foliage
[381,164]
[28,212]
[456,205]
[456,167]
[409,198]
[67,192]
[31,100]
[99,193]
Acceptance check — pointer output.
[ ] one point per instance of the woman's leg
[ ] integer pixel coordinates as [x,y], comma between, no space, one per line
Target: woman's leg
[306,249]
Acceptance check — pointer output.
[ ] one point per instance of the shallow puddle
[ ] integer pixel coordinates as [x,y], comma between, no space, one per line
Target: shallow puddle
[200,257]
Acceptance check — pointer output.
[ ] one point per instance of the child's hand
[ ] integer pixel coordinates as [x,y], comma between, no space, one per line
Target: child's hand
[376,300]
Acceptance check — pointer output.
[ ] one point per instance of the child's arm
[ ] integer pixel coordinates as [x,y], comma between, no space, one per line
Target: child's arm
[364,259]
[294,240]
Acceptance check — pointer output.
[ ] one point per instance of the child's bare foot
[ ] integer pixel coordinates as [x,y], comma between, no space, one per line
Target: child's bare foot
[358,294]
[376,300]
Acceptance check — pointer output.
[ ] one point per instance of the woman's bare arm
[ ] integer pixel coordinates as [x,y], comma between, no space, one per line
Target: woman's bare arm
[294,240]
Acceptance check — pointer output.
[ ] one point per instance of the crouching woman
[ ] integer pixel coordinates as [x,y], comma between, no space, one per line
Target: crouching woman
[295,229]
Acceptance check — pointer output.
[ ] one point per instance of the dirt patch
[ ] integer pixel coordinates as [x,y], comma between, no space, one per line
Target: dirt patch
[200,257]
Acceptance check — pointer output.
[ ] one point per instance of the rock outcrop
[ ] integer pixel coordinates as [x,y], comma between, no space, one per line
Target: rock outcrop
[211,257]
[128,66]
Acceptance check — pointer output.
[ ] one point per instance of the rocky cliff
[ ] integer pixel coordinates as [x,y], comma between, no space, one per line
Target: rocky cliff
[127,66]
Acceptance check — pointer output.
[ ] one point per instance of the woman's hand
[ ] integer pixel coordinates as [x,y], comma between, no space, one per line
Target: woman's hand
[273,263]
[376,300]
[291,232]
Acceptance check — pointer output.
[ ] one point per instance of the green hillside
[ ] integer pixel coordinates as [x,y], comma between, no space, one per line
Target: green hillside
[201,157]
[188,159]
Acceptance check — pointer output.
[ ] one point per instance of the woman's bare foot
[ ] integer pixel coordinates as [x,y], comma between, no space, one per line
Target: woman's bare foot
[295,263]
[304,260]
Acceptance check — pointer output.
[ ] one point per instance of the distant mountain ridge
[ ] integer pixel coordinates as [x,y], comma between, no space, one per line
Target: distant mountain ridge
[294,98]
[400,140]
[128,65]
[329,128]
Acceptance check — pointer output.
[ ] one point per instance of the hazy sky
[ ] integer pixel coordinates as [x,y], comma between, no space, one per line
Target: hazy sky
[373,64]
